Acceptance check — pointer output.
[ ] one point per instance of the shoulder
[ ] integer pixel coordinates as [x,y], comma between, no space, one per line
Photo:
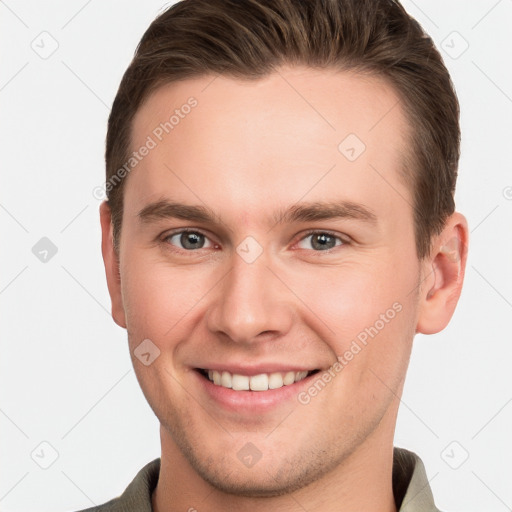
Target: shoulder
[137,496]
[410,483]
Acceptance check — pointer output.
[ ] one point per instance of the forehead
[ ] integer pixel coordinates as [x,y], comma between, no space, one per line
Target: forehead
[296,132]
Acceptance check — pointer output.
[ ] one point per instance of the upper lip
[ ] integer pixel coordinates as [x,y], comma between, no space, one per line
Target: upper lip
[256,369]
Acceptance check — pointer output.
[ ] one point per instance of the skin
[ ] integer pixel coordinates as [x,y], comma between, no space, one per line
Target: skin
[247,150]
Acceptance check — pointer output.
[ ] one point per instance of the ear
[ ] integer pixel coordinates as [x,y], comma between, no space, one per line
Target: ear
[111,262]
[443,275]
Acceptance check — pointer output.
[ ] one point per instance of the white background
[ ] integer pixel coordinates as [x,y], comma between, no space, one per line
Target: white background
[66,375]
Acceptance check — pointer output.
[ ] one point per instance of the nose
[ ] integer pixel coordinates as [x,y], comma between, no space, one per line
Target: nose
[251,304]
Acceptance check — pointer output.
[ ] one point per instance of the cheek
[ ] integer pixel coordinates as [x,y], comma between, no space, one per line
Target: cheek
[355,295]
[157,297]
[367,310]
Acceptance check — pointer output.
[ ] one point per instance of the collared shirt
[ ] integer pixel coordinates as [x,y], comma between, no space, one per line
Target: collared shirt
[410,487]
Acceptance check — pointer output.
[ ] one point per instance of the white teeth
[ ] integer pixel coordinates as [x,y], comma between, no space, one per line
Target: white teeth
[226,380]
[300,376]
[275,380]
[240,382]
[261,382]
[289,378]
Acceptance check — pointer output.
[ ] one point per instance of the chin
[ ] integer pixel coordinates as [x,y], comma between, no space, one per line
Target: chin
[248,484]
[272,477]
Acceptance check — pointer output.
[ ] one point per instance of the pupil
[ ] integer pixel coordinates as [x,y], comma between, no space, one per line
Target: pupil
[191,240]
[323,241]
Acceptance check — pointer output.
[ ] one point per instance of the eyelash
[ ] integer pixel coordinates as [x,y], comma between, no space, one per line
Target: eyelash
[304,236]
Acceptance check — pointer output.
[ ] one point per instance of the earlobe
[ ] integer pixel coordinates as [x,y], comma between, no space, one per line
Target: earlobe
[111,262]
[444,276]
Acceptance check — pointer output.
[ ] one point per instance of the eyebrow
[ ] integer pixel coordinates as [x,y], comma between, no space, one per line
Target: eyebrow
[302,212]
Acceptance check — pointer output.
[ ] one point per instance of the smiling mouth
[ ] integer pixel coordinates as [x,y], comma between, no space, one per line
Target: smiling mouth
[260,382]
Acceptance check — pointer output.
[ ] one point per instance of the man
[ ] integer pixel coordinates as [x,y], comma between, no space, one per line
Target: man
[280,224]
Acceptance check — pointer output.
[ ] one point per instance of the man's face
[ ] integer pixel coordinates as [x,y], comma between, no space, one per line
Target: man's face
[255,291]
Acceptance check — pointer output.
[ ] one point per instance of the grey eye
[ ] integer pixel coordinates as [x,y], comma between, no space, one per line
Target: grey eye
[321,241]
[188,240]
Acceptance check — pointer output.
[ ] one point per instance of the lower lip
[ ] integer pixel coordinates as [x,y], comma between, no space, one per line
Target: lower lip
[254,402]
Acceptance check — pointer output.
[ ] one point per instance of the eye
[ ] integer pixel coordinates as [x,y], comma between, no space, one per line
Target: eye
[188,240]
[320,241]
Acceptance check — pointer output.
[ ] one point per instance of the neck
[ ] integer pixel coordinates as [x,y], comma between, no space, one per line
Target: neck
[362,481]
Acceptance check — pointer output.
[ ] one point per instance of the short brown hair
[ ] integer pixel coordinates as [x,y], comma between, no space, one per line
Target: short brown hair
[248,39]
